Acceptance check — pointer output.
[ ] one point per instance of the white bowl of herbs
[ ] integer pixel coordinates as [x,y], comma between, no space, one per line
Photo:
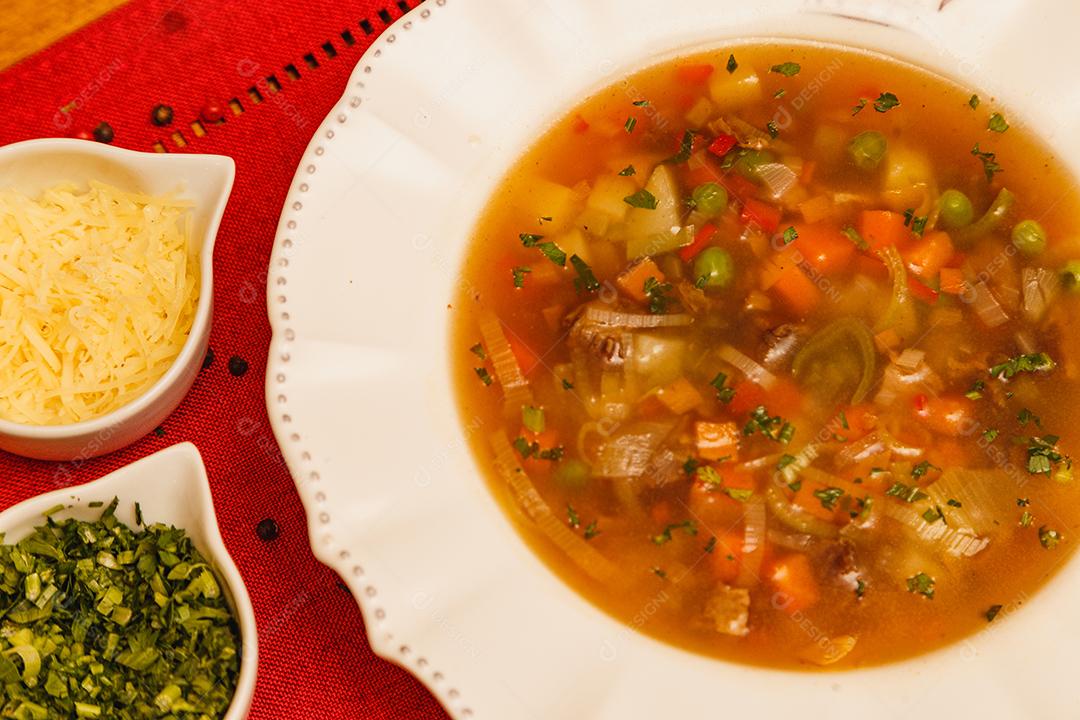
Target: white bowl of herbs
[119,600]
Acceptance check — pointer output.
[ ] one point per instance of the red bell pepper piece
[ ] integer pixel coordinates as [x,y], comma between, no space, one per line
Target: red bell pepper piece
[701,240]
[722,145]
[765,216]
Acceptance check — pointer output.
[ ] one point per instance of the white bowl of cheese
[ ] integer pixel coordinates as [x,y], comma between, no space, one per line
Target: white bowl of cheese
[106,291]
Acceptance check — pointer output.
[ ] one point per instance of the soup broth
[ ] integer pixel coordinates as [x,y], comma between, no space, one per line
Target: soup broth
[773,355]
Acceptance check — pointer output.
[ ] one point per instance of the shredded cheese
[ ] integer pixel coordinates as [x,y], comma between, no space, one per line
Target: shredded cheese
[98,290]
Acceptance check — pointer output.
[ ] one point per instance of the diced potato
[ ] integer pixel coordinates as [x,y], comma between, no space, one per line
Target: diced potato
[680,396]
[699,113]
[908,177]
[830,143]
[729,609]
[735,91]
[574,242]
[608,195]
[632,280]
[717,441]
[593,221]
[658,360]
[541,198]
[652,232]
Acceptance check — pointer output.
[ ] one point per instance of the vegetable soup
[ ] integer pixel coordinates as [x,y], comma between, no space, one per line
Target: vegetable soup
[772,354]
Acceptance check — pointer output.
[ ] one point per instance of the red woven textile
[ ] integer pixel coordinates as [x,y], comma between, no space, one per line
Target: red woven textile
[313,660]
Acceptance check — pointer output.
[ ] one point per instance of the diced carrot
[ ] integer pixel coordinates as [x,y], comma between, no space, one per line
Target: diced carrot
[715,508]
[792,577]
[816,209]
[861,420]
[883,227]
[922,291]
[871,266]
[784,278]
[526,358]
[579,125]
[700,174]
[716,441]
[765,216]
[726,556]
[747,396]
[722,145]
[546,440]
[701,241]
[806,499]
[632,280]
[680,396]
[784,399]
[929,255]
[737,186]
[824,247]
[952,281]
[808,169]
[952,415]
[693,73]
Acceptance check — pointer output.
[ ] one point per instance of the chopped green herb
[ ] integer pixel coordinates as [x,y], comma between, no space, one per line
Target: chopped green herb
[586,281]
[993,610]
[859,106]
[922,468]
[1025,416]
[886,101]
[1049,537]
[788,69]
[533,418]
[1043,454]
[843,420]
[711,545]
[103,621]
[628,171]
[572,517]
[790,235]
[544,218]
[922,584]
[732,66]
[908,493]
[989,161]
[1033,362]
[688,526]
[1022,502]
[973,101]
[527,450]
[784,461]
[686,147]
[641,199]
[954,503]
[975,393]
[1026,518]
[591,530]
[478,351]
[853,235]
[519,274]
[641,103]
[567,385]
[723,394]
[860,588]
[780,93]
[690,466]
[484,375]
[549,249]
[658,294]
[916,223]
[932,515]
[828,497]
[773,129]
[990,435]
[631,123]
[709,477]
[774,427]
[659,572]
[997,123]
[795,486]
[738,494]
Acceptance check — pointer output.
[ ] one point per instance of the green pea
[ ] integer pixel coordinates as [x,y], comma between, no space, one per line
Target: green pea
[710,199]
[714,268]
[1070,276]
[956,209]
[749,163]
[867,149]
[1029,237]
[573,474]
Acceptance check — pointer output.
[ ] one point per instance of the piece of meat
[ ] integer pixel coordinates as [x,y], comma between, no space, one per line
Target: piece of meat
[729,609]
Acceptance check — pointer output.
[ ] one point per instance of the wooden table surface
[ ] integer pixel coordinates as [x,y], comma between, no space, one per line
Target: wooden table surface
[27,26]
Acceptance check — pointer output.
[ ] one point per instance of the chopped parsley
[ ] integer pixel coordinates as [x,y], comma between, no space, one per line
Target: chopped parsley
[738,494]
[687,526]
[658,294]
[641,199]
[886,101]
[795,485]
[567,385]
[519,274]
[907,493]
[484,375]
[711,545]
[922,468]
[993,610]
[997,123]
[686,147]
[1049,537]
[828,497]
[922,584]
[631,123]
[780,93]
[860,588]
[528,450]
[478,351]
[788,69]
[843,420]
[1025,416]
[973,101]
[1022,502]
[790,235]
[586,281]
[859,106]
[591,530]
[1042,454]
[1026,518]
[723,393]
[732,65]
[709,477]
[690,466]
[916,223]
[772,427]
[659,572]
[989,161]
[990,435]
[784,461]
[628,171]
[641,103]
[951,502]
[533,418]
[975,393]
[572,517]
[932,515]
[773,129]
[544,218]
[547,248]
[1033,362]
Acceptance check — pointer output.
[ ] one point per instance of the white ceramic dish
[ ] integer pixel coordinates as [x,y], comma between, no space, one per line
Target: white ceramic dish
[171,487]
[359,388]
[206,180]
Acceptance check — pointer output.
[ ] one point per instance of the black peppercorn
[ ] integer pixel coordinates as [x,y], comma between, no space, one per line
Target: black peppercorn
[267,530]
[238,365]
[208,360]
[162,115]
[104,133]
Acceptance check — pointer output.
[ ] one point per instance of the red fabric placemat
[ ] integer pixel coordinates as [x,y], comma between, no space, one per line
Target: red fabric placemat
[313,660]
